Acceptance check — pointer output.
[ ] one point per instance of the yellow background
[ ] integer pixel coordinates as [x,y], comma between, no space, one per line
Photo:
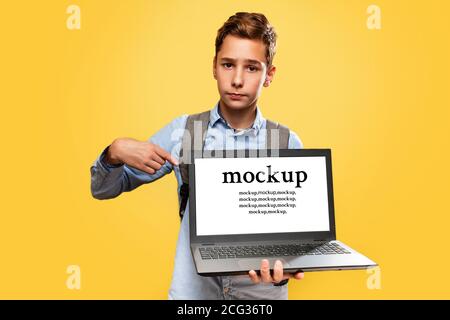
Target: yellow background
[378,98]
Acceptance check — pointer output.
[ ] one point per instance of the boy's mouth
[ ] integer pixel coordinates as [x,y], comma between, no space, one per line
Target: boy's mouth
[235,96]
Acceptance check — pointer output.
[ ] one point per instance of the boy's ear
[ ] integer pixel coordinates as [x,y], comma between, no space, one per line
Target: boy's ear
[214,67]
[270,75]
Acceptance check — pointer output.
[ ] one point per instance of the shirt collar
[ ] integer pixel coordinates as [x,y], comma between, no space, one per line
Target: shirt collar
[216,116]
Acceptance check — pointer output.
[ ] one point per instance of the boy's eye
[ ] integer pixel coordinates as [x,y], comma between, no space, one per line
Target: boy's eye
[250,68]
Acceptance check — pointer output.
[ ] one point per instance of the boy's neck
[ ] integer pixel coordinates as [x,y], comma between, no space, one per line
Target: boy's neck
[238,119]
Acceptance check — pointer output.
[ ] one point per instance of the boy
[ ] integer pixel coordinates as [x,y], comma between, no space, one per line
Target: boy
[242,65]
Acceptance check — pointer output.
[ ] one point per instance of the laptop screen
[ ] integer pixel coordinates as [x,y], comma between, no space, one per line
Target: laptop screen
[261,195]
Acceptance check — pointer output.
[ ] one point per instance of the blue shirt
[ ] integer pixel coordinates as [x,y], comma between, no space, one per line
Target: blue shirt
[109,181]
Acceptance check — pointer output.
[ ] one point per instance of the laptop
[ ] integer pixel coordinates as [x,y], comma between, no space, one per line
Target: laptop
[249,205]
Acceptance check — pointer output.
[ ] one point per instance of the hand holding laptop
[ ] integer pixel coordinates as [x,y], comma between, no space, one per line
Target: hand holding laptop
[277,275]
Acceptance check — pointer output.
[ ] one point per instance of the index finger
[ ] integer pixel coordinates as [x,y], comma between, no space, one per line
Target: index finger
[165,155]
[254,277]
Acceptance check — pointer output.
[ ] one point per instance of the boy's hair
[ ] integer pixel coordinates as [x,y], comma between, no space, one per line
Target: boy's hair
[254,26]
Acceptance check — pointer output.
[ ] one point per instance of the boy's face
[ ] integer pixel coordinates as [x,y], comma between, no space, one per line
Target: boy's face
[241,67]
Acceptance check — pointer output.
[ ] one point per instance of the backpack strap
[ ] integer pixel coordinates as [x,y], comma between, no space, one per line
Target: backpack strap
[281,134]
[193,124]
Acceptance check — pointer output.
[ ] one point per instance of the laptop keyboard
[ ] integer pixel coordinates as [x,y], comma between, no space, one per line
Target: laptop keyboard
[233,252]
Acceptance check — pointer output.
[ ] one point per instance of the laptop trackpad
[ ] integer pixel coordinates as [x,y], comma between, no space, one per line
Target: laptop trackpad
[255,264]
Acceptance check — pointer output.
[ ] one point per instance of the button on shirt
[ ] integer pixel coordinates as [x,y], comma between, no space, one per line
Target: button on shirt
[109,181]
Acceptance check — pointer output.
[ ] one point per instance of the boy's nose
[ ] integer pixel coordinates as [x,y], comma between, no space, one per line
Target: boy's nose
[237,81]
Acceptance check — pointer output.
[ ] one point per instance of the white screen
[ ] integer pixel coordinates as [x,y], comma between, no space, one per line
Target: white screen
[298,202]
